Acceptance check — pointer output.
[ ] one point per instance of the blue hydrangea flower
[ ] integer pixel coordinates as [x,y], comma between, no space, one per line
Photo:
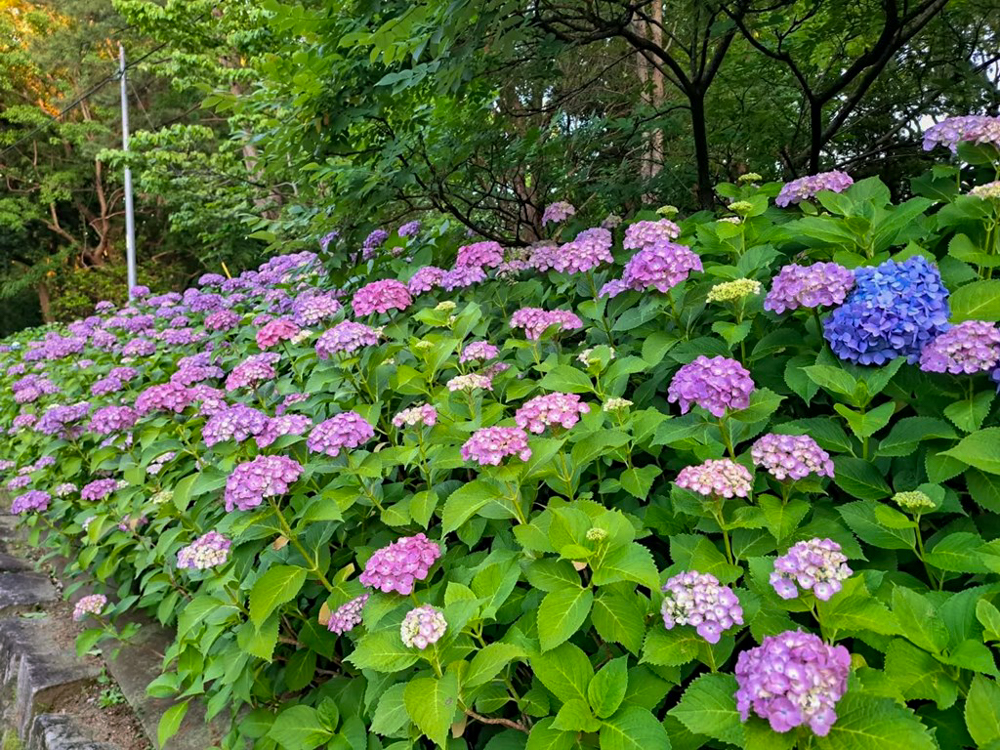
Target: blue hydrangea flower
[894,310]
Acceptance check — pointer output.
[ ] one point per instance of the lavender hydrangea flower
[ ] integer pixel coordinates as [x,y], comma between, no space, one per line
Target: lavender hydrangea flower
[63,420]
[309,309]
[969,128]
[30,500]
[422,627]
[89,605]
[643,234]
[557,213]
[327,239]
[408,229]
[478,351]
[222,320]
[425,279]
[894,310]
[818,285]
[265,476]
[461,277]
[791,456]
[345,430]
[535,321]
[590,248]
[486,254]
[64,489]
[346,616]
[238,422]
[715,384]
[716,478]
[805,188]
[98,489]
[660,266]
[207,551]
[964,349]
[792,679]
[345,338]
[424,414]
[698,599]
[381,297]
[167,396]
[375,239]
[255,369]
[398,566]
[490,445]
[287,424]
[551,410]
[817,565]
[109,419]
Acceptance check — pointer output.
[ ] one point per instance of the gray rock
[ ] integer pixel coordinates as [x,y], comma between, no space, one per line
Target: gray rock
[20,590]
[60,732]
[9,564]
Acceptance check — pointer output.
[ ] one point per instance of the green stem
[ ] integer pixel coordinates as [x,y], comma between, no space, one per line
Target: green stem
[727,441]
[290,535]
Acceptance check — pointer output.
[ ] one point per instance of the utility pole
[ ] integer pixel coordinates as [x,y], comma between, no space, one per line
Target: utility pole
[129,209]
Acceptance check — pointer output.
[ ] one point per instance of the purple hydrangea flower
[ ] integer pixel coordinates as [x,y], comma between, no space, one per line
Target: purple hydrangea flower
[398,566]
[718,478]
[381,297]
[98,489]
[63,420]
[557,213]
[255,369]
[535,321]
[207,551]
[409,229]
[222,320]
[791,456]
[326,239]
[490,445]
[964,349]
[346,616]
[238,422]
[312,308]
[89,605]
[590,248]
[265,476]
[643,234]
[346,337]
[818,285]
[698,599]
[461,277]
[422,627]
[792,679]
[374,240]
[345,430]
[30,500]
[715,384]
[817,565]
[661,266]
[288,424]
[425,279]
[478,351]
[970,128]
[543,256]
[168,396]
[894,310]
[805,188]
[551,410]
[109,419]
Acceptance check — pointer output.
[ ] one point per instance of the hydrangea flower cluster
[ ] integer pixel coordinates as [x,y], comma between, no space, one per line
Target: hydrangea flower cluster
[381,297]
[63,420]
[643,234]
[89,605]
[792,679]
[345,430]
[818,285]
[817,565]
[805,188]
[254,370]
[398,566]
[222,320]
[557,213]
[98,489]
[914,501]
[989,191]
[424,414]
[660,266]
[470,382]
[590,248]
[238,422]
[265,476]
[275,331]
[731,291]
[490,445]
[110,419]
[968,129]
[791,457]
[425,279]
[461,277]
[964,349]
[487,254]
[552,409]
[169,396]
[894,311]
[347,615]
[30,500]
[422,627]
[716,478]
[478,351]
[207,551]
[535,320]
[408,229]
[698,599]
[313,308]
[287,424]
[715,384]
[345,338]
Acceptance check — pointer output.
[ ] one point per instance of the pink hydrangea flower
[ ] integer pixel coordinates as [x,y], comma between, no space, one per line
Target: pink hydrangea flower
[535,321]
[590,248]
[642,234]
[398,566]
[660,266]
[276,331]
[425,279]
[207,551]
[718,478]
[256,369]
[791,456]
[557,213]
[345,338]
[424,414]
[486,254]
[698,599]
[347,615]
[490,445]
[552,409]
[265,476]
[817,565]
[89,605]
[345,430]
[478,351]
[715,384]
[381,297]
[422,627]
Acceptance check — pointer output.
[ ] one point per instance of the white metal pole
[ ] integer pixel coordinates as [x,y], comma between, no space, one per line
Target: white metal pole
[129,210]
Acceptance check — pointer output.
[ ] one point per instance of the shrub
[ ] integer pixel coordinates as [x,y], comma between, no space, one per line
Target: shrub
[714,509]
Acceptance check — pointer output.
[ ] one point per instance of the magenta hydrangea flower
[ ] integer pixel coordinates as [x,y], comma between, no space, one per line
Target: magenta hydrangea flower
[818,285]
[557,213]
[238,422]
[424,414]
[89,605]
[486,254]
[345,338]
[590,248]
[422,627]
[698,599]
[30,500]
[222,320]
[274,332]
[478,351]
[969,128]
[716,478]
[425,279]
[792,679]
[535,320]
[643,234]
[255,369]
[490,445]
[806,188]
[715,384]
[817,565]
[109,419]
[398,566]
[551,410]
[661,266]
[964,349]
[288,424]
[345,430]
[207,551]
[98,489]
[791,456]
[381,297]
[265,476]
[346,616]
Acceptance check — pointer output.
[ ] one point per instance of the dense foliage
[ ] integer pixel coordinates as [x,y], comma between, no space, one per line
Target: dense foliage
[727,482]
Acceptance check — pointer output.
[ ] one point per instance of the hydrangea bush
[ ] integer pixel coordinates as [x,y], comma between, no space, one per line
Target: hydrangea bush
[747,496]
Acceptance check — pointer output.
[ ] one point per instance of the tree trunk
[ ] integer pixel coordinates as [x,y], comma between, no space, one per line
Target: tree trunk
[706,195]
[815,134]
[44,303]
